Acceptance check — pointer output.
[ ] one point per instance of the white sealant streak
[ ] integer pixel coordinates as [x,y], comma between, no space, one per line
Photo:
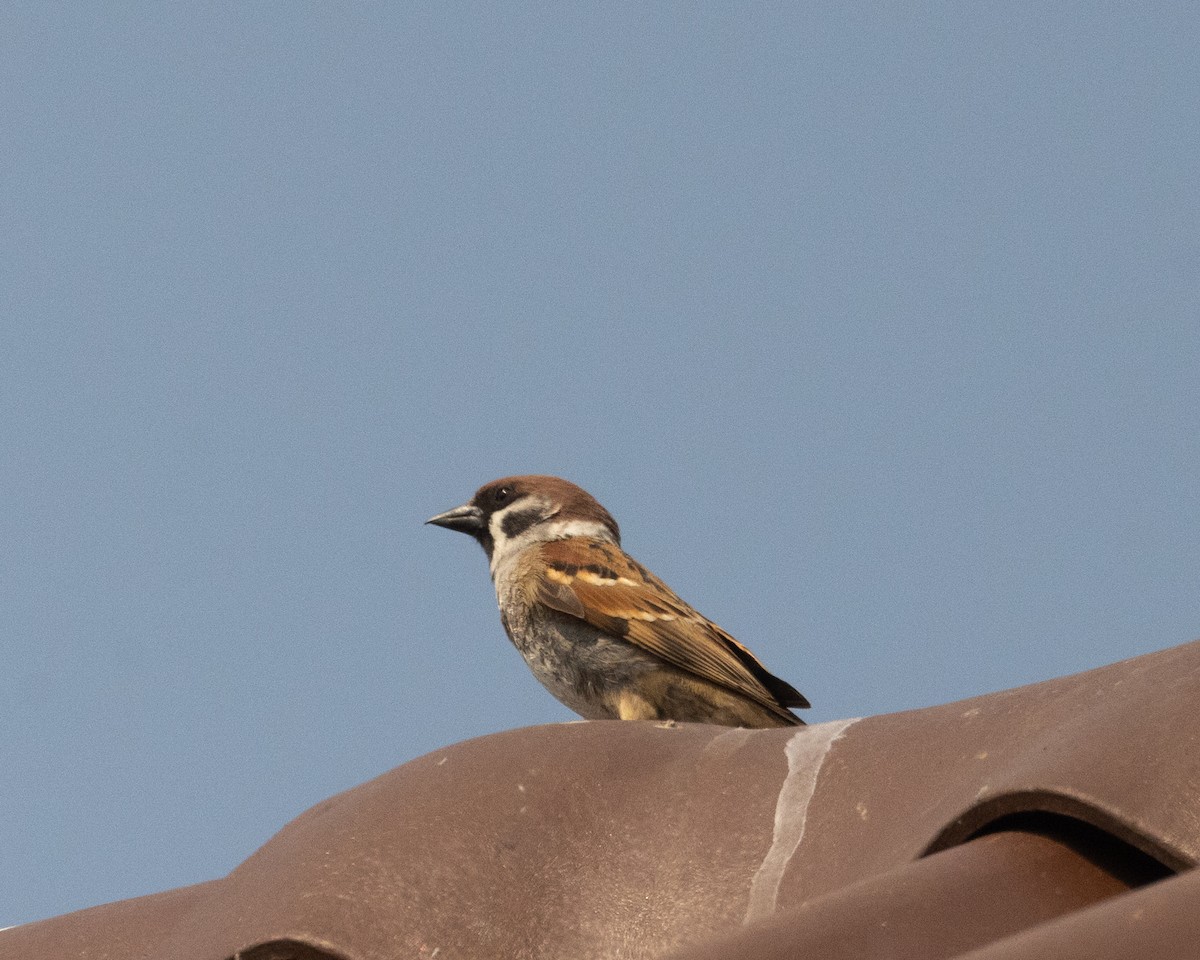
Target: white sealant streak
[806,752]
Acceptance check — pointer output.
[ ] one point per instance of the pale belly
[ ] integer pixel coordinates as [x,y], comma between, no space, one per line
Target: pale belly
[584,668]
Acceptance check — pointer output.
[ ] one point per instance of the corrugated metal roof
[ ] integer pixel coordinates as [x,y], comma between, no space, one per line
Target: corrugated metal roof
[1057,820]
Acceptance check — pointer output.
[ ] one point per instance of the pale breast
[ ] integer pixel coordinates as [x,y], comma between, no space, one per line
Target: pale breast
[577,662]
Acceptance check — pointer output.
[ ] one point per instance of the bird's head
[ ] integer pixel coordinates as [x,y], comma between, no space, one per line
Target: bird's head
[512,513]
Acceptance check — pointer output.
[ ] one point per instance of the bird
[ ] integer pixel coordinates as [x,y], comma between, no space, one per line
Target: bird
[602,633]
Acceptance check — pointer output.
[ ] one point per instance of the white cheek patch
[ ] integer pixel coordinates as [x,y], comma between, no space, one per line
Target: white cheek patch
[496,527]
[514,520]
[516,526]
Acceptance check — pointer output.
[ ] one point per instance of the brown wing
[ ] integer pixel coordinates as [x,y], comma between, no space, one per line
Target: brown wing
[597,582]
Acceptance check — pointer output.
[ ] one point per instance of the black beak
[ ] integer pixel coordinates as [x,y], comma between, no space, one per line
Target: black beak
[465,519]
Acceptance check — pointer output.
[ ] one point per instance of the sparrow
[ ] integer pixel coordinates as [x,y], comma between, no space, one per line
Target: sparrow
[602,633]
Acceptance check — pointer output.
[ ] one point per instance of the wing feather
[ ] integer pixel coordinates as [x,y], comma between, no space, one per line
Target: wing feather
[611,591]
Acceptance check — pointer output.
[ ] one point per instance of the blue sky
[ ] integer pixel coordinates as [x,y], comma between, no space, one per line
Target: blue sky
[876,327]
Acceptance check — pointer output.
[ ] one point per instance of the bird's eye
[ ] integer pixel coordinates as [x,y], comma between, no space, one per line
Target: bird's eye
[503,495]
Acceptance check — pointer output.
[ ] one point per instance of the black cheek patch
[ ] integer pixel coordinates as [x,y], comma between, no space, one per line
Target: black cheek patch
[517,522]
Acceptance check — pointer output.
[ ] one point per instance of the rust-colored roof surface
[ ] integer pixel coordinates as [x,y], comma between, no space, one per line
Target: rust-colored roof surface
[1057,820]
